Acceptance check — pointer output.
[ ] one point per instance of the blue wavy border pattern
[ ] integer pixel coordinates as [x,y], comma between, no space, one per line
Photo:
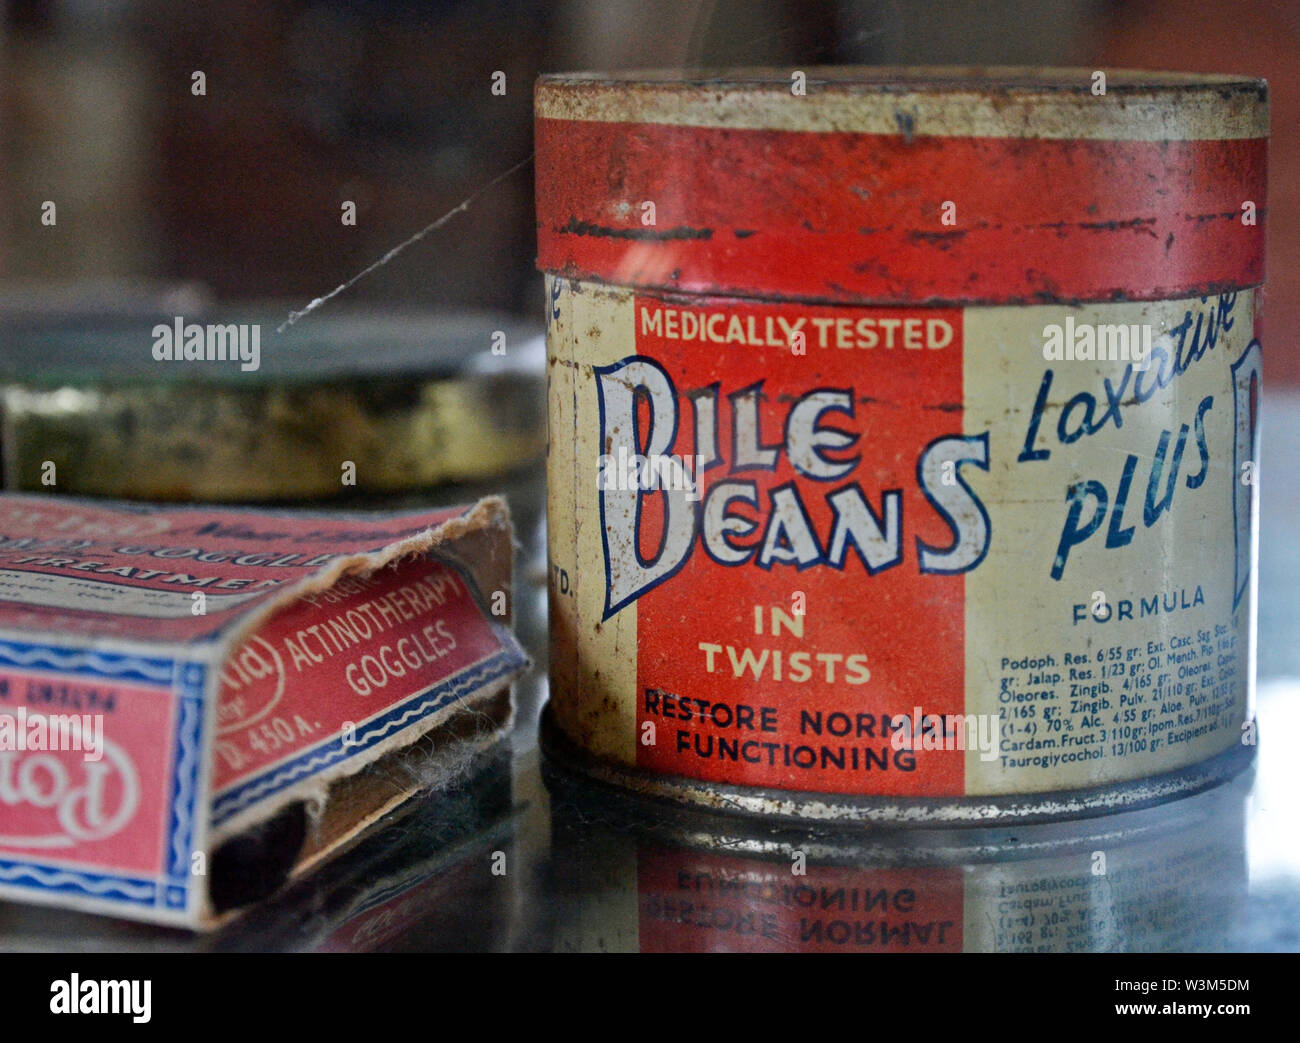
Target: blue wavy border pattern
[187,760]
[313,761]
[109,666]
[186,680]
[104,887]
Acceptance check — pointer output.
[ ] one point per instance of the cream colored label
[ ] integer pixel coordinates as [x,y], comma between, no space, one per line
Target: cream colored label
[594,662]
[1028,530]
[1127,653]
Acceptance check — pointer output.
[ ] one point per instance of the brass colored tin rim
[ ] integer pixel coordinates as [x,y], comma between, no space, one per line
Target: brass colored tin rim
[887,78]
[957,101]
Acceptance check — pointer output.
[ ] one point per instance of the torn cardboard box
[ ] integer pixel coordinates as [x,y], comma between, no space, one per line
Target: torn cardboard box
[196,705]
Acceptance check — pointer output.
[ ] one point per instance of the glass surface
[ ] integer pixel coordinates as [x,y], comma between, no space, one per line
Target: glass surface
[502,862]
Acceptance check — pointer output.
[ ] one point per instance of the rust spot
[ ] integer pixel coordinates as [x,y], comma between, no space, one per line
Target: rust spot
[943,240]
[654,235]
[1137,224]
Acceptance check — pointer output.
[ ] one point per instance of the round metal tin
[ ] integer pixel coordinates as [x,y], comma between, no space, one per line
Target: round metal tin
[903,436]
[342,405]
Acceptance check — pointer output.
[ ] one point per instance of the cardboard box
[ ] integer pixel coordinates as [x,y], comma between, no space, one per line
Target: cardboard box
[197,705]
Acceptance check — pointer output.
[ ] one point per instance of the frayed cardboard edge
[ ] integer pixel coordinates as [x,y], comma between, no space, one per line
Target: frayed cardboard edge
[443,768]
[314,792]
[488,513]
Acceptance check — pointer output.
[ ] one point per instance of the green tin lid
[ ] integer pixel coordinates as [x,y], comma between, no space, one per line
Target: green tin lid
[104,406]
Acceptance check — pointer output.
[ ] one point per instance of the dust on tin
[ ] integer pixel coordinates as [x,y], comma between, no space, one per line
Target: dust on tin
[840,528]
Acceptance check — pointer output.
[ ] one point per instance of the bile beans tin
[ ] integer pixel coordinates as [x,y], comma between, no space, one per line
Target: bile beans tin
[903,436]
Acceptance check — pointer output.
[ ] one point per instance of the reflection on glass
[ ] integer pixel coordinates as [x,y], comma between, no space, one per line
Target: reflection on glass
[653,879]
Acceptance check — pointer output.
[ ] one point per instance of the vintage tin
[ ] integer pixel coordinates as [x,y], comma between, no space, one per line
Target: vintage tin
[903,432]
[348,405]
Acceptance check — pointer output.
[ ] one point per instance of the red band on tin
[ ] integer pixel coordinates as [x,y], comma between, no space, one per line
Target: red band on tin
[777,689]
[859,218]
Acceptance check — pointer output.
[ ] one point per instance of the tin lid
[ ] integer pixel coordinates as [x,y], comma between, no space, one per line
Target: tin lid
[409,400]
[904,186]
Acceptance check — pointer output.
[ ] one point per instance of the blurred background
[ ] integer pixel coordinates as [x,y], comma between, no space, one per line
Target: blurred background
[235,193]
[238,191]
